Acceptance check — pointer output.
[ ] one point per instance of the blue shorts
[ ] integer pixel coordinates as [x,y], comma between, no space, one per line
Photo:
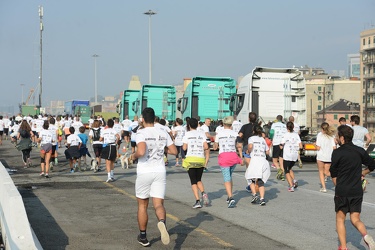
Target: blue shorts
[227,173]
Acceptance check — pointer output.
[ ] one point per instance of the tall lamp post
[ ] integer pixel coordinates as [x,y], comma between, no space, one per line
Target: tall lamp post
[96,83]
[149,13]
[22,92]
[41,55]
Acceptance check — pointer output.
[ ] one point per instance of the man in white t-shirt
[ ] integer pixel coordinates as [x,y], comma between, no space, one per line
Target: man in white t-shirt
[297,130]
[126,123]
[151,174]
[237,125]
[278,129]
[360,133]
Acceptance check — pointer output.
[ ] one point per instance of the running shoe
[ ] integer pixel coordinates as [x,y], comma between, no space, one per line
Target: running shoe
[291,189]
[282,177]
[326,179]
[364,184]
[51,166]
[144,242]
[231,203]
[295,184]
[41,174]
[205,170]
[255,199]
[76,167]
[163,233]
[206,201]
[113,179]
[369,242]
[323,190]
[177,165]
[71,170]
[56,161]
[228,200]
[248,189]
[273,165]
[109,180]
[47,176]
[262,202]
[279,173]
[197,204]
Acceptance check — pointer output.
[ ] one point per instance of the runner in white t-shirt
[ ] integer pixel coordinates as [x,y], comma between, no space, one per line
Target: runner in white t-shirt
[197,156]
[278,129]
[45,139]
[228,157]
[291,144]
[178,132]
[151,174]
[109,137]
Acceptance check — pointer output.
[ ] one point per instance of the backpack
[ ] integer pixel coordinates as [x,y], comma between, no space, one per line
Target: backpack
[96,135]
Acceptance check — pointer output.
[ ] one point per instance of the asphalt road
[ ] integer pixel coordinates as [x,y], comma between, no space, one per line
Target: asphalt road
[81,211]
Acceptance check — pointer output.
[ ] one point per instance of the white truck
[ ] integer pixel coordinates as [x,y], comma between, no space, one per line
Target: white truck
[270,92]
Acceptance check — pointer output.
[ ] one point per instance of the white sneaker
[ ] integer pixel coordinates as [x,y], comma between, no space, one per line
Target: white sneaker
[369,242]
[109,180]
[164,233]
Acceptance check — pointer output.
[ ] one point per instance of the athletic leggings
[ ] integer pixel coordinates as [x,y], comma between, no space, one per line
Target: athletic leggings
[26,154]
[195,175]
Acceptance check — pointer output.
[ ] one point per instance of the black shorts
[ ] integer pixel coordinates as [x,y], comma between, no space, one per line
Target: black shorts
[277,152]
[1,132]
[109,152]
[133,144]
[98,148]
[288,165]
[348,204]
[6,131]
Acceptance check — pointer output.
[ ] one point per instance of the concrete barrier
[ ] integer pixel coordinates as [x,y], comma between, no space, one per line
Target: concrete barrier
[15,227]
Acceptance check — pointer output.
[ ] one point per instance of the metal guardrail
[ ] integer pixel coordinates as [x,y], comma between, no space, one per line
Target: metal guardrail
[14,225]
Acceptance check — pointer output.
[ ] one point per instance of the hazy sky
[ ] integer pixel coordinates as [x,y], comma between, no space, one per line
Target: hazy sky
[189,38]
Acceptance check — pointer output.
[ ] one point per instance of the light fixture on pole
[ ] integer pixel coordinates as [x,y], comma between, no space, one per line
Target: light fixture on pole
[96,84]
[149,13]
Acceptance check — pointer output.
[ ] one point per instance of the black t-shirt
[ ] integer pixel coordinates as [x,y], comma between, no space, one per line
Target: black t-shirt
[346,165]
[247,131]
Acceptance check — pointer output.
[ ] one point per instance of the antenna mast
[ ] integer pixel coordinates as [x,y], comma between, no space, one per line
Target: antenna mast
[41,57]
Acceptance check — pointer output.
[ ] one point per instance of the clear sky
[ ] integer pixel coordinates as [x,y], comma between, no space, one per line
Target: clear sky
[189,38]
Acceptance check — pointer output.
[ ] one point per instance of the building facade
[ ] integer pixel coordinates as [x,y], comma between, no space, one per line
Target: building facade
[367,67]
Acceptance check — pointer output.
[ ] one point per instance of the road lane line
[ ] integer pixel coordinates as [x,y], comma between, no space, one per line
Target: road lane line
[170,216]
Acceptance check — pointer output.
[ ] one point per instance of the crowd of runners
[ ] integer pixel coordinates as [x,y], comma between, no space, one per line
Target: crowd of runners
[146,142]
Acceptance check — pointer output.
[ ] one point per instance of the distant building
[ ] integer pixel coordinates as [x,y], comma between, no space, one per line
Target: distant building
[367,69]
[324,92]
[354,70]
[341,108]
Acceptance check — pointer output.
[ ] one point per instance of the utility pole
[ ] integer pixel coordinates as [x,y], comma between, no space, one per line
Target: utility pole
[41,50]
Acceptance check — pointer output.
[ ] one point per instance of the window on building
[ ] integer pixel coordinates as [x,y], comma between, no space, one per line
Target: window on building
[319,107]
[335,117]
[369,40]
[319,88]
[364,41]
[319,98]
[346,117]
[374,40]
[294,99]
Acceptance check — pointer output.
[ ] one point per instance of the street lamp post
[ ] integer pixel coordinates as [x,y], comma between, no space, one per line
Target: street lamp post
[96,84]
[149,13]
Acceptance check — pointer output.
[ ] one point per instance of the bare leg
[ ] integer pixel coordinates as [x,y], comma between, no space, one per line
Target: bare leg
[340,228]
[321,173]
[142,214]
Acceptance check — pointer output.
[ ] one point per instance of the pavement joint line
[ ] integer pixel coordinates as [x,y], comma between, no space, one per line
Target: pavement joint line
[170,216]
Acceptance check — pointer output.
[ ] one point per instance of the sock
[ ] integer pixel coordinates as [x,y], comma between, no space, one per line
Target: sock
[143,234]
[162,220]
[111,173]
[203,193]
